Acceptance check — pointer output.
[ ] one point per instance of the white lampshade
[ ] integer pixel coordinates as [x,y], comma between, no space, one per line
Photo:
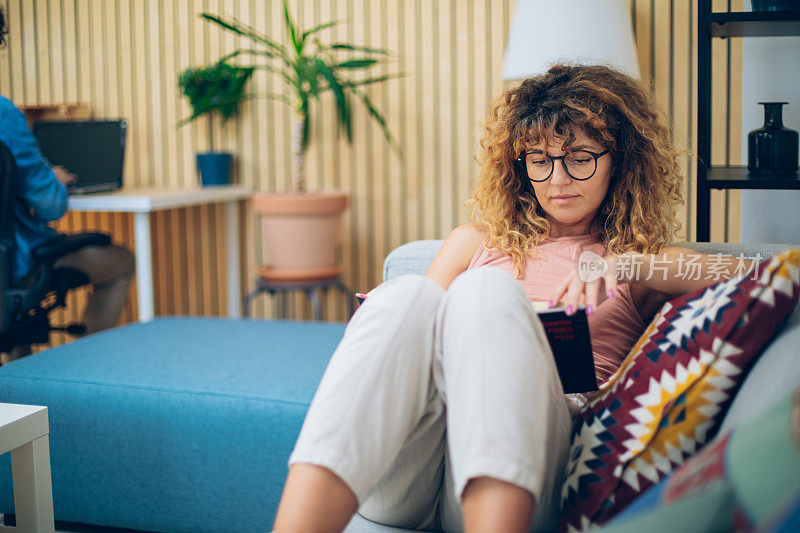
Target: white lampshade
[543,32]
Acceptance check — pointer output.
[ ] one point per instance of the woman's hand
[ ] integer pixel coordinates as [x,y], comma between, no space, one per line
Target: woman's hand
[584,283]
[361,296]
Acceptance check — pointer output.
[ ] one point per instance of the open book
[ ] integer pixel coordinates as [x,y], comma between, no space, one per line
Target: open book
[571,345]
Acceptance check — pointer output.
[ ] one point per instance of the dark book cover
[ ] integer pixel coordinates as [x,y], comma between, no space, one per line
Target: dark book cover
[572,348]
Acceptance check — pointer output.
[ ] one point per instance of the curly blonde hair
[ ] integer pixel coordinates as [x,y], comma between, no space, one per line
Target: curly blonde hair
[638,211]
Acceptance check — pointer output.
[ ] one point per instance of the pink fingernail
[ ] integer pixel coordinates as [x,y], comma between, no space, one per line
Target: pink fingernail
[589,310]
[610,293]
[549,304]
[569,310]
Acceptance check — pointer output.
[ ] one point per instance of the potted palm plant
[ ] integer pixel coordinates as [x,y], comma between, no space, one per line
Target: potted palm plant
[216,89]
[302,228]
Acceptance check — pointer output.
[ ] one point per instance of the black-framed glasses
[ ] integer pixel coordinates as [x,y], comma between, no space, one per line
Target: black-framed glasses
[579,164]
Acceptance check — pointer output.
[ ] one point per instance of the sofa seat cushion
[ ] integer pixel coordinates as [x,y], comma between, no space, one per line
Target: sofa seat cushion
[670,394]
[180,424]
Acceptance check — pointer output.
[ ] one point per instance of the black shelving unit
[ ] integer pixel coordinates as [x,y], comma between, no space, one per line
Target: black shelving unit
[726,25]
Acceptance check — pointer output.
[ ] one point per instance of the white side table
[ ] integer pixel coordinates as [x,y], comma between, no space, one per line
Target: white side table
[24,431]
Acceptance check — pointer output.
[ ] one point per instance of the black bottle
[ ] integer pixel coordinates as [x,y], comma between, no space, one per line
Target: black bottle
[774,5]
[772,149]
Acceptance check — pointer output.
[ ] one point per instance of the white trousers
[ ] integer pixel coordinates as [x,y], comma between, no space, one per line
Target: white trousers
[428,389]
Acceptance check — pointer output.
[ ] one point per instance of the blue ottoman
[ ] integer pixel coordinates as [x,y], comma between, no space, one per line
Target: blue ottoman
[180,424]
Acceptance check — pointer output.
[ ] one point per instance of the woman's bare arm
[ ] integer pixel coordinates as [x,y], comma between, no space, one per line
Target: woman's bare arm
[673,271]
[677,270]
[455,254]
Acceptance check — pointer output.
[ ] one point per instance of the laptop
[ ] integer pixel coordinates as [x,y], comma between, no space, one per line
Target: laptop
[93,150]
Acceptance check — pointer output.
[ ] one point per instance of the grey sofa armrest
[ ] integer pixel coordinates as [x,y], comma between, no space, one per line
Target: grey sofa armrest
[411,258]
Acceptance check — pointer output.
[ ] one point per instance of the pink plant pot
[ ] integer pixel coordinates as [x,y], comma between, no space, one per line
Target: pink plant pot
[301,231]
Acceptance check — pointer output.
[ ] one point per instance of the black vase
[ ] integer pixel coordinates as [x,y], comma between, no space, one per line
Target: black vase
[772,149]
[774,5]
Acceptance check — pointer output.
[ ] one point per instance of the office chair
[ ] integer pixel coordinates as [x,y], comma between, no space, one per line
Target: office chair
[24,307]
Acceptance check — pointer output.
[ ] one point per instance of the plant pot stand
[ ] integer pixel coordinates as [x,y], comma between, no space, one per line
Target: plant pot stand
[308,286]
[301,232]
[268,273]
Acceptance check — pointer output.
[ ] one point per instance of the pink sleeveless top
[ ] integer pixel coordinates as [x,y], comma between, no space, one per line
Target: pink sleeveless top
[616,324]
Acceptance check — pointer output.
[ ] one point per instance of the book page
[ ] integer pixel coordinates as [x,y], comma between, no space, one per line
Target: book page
[539,306]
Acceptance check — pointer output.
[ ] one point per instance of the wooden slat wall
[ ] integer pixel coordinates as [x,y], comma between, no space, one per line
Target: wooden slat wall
[122,57]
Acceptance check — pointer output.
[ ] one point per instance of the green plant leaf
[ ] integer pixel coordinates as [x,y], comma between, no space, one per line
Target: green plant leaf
[369,81]
[319,28]
[341,98]
[311,75]
[219,102]
[281,72]
[274,96]
[306,125]
[345,46]
[219,88]
[287,18]
[373,111]
[245,51]
[357,63]
[244,30]
[216,88]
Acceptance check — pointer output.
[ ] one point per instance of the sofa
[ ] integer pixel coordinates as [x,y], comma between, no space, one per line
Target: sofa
[186,424]
[775,374]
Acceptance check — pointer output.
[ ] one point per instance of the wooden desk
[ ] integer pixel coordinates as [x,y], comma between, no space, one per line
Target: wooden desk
[143,202]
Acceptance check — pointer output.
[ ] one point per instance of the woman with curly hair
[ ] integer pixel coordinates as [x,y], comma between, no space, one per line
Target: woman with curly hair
[441,408]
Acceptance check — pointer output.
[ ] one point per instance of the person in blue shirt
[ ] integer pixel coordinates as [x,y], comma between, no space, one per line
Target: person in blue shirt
[41,197]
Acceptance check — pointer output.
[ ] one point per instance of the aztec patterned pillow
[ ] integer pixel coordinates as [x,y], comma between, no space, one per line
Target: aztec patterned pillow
[671,392]
[747,479]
